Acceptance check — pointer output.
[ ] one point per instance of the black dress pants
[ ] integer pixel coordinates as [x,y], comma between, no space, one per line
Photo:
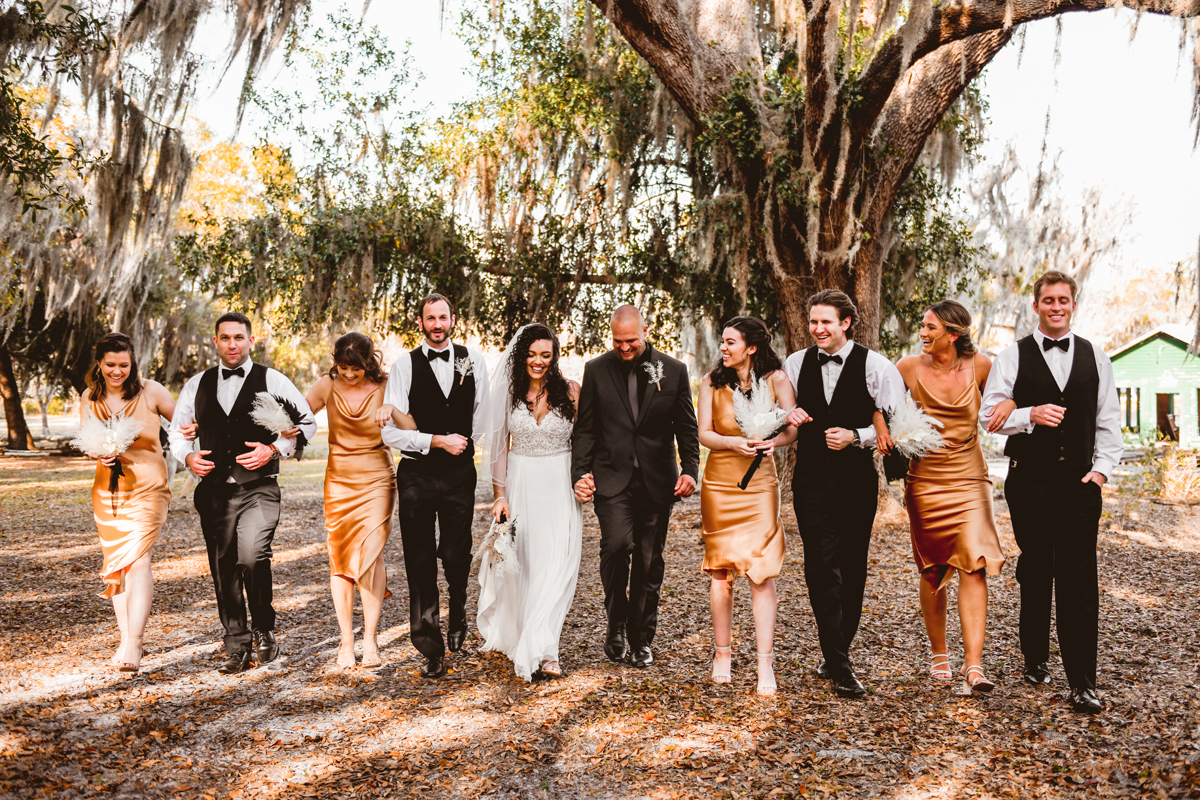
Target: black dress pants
[432,502]
[239,522]
[633,533]
[835,517]
[1055,519]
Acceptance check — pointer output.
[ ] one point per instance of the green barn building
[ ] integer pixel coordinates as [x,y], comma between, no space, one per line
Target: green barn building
[1159,384]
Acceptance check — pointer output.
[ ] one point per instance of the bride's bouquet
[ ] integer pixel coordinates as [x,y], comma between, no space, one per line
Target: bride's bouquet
[500,543]
[759,419]
[107,439]
[277,415]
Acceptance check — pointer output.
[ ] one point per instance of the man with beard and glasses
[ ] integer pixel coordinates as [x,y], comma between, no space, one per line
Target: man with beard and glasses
[440,386]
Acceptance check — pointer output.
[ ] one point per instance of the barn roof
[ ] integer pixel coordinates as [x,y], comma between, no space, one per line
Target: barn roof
[1181,332]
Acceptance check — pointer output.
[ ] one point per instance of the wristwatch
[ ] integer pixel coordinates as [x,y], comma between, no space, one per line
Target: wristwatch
[857,439]
[274,451]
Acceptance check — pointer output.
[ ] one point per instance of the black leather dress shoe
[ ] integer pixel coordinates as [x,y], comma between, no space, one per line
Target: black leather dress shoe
[433,668]
[615,646]
[455,639]
[642,657]
[1038,674]
[848,685]
[235,663]
[823,671]
[265,646]
[1085,701]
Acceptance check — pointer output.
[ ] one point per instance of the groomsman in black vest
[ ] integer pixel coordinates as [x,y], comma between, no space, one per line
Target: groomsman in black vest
[1053,394]
[441,386]
[238,494]
[835,488]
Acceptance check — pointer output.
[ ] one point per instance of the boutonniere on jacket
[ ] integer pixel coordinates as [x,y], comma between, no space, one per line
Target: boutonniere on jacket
[655,368]
[464,367]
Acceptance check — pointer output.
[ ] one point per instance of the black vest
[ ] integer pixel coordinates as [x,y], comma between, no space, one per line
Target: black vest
[852,407]
[437,414]
[1070,448]
[226,435]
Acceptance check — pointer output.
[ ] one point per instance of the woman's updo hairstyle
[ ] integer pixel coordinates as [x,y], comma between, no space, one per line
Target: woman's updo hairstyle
[357,351]
[957,320]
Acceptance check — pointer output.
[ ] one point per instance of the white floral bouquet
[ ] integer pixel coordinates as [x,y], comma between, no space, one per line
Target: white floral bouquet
[759,418]
[914,433]
[277,415]
[108,439]
[500,543]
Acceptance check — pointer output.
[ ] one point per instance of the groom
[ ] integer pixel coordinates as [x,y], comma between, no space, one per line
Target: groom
[440,385]
[238,494]
[635,405]
[1054,395]
[835,489]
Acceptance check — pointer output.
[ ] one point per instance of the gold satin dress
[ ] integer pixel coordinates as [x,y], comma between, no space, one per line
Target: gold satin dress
[948,492]
[141,500]
[742,529]
[360,486]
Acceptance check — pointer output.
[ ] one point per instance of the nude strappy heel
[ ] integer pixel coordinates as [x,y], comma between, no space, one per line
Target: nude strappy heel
[940,671]
[727,674]
[126,663]
[766,689]
[977,681]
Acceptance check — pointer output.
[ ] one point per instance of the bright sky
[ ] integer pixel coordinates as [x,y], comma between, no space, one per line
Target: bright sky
[1120,109]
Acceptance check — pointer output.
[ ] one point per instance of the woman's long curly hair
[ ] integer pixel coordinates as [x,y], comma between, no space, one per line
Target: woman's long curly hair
[356,350]
[558,391]
[115,342]
[763,362]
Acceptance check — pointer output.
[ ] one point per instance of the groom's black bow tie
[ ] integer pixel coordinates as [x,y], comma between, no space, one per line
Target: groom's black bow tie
[824,358]
[226,374]
[444,355]
[1063,344]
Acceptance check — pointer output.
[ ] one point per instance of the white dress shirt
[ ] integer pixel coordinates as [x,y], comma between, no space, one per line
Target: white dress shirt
[1110,444]
[884,383]
[228,390]
[446,372]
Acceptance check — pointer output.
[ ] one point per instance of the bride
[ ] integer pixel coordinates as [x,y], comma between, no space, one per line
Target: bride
[528,419]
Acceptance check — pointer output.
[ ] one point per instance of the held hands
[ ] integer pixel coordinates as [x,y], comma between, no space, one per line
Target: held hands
[798,416]
[585,487]
[500,509]
[1049,415]
[838,438]
[452,443]
[189,431]
[198,464]
[1000,415]
[258,457]
[685,486]
[290,433]
[1096,478]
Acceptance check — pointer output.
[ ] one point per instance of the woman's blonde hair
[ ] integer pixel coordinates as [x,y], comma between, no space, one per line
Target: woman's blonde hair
[957,320]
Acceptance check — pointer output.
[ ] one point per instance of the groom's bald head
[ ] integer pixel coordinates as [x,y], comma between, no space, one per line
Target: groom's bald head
[629,332]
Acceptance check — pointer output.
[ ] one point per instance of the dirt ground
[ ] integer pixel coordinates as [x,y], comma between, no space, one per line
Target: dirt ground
[72,727]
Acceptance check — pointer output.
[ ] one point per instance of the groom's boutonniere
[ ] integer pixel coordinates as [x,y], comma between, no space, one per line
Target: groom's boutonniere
[655,368]
[464,367]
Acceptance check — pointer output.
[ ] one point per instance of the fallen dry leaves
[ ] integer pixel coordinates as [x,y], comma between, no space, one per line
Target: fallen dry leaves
[71,727]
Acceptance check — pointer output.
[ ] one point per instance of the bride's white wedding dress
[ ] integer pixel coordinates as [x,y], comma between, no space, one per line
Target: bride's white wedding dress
[522,615]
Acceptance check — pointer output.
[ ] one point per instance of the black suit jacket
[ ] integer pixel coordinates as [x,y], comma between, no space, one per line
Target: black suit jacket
[607,436]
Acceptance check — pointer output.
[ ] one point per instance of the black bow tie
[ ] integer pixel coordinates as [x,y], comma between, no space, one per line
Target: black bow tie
[226,374]
[1063,344]
[824,358]
[444,355]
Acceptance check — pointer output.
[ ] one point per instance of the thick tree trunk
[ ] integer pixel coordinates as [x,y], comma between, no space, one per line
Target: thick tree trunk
[19,437]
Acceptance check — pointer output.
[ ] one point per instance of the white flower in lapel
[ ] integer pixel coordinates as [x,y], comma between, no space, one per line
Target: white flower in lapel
[464,367]
[655,368]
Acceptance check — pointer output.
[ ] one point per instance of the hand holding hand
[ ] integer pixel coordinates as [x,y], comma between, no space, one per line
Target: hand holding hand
[1049,415]
[685,486]
[198,464]
[1000,414]
[585,487]
[190,431]
[1096,478]
[838,438]
[500,510]
[798,416]
[258,457]
[453,443]
[290,433]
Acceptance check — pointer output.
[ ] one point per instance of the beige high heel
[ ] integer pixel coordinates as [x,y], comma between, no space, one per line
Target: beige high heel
[727,675]
[126,664]
[371,659]
[766,689]
[345,658]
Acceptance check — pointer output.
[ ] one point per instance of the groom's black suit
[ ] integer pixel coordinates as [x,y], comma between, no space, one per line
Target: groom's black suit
[632,459]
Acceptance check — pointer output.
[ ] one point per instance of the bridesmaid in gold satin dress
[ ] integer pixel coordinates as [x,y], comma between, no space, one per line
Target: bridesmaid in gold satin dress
[948,492]
[743,534]
[360,488]
[130,519]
